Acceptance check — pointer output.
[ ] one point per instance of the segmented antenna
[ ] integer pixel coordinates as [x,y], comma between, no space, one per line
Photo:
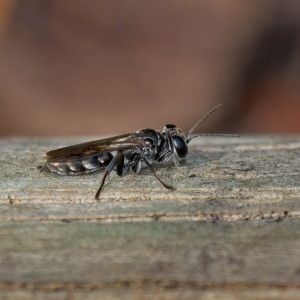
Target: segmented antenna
[188,139]
[205,117]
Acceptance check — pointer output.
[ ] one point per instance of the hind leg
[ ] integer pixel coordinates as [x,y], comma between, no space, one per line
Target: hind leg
[115,161]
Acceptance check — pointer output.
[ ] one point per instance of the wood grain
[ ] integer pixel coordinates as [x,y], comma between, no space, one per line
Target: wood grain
[229,231]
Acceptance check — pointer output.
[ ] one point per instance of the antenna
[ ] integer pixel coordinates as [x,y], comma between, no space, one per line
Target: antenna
[205,117]
[188,139]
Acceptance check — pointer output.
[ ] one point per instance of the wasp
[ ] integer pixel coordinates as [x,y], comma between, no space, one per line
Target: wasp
[131,151]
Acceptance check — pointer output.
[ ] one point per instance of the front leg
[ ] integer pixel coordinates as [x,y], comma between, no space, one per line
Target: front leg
[138,164]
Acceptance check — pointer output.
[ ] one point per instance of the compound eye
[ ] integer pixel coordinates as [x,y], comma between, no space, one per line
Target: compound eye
[180,146]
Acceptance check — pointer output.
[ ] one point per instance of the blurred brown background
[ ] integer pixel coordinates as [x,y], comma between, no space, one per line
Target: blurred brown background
[74,67]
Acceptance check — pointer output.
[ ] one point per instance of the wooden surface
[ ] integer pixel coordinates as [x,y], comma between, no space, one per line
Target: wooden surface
[231,230]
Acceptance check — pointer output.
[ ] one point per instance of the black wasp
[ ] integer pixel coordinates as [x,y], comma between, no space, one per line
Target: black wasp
[133,150]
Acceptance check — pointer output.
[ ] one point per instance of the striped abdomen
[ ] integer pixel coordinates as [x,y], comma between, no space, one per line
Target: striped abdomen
[77,165]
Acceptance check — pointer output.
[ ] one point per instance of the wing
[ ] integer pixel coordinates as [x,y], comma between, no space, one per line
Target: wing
[95,147]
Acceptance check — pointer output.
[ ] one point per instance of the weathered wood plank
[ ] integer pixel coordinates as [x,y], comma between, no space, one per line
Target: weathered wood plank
[142,211]
[56,241]
[229,179]
[183,253]
[159,294]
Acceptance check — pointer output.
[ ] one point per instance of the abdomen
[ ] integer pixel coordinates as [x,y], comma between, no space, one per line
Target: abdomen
[77,165]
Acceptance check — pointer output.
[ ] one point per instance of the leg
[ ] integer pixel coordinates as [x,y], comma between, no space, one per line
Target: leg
[153,173]
[107,171]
